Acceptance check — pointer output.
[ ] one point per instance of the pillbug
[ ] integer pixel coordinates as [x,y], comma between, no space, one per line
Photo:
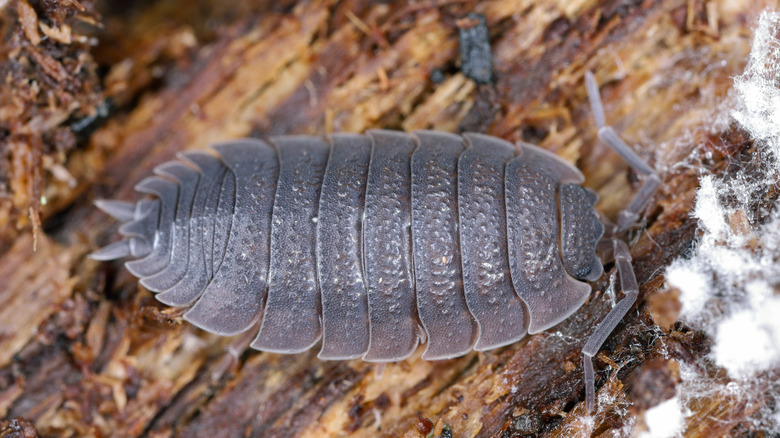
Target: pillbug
[372,243]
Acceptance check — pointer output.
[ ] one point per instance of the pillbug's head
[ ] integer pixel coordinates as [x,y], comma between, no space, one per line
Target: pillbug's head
[581,231]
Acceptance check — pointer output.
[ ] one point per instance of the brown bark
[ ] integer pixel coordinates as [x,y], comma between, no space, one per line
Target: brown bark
[85,351]
[50,93]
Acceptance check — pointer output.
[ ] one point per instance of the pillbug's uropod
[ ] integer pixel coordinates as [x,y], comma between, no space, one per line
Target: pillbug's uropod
[373,242]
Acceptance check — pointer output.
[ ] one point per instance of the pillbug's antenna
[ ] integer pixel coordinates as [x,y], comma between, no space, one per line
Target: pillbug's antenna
[622,255]
[630,288]
[651,182]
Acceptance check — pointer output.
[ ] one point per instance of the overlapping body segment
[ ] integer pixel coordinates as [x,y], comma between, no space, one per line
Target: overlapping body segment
[441,305]
[368,243]
[187,179]
[291,319]
[538,276]
[345,329]
[232,301]
[387,248]
[487,283]
[196,272]
[167,192]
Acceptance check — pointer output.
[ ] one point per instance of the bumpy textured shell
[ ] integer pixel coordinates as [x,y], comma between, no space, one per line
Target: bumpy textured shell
[369,243]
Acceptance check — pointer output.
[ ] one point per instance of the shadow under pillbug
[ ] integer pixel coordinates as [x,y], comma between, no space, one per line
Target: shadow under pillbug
[372,243]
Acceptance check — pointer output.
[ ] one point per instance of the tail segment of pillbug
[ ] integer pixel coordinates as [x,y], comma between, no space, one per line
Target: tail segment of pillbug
[370,244]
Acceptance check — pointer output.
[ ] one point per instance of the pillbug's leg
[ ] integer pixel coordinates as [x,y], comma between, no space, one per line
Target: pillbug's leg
[630,289]
[650,181]
[231,357]
[610,229]
[605,247]
[630,215]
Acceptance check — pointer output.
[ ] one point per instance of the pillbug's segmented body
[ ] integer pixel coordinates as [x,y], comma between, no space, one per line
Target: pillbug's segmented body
[368,242]
[371,243]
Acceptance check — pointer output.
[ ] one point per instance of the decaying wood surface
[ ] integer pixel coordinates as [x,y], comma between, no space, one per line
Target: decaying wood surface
[84,351]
